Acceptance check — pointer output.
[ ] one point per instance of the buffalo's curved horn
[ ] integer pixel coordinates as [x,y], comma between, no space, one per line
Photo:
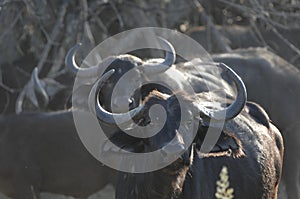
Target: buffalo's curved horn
[72,65]
[38,87]
[236,107]
[103,115]
[156,65]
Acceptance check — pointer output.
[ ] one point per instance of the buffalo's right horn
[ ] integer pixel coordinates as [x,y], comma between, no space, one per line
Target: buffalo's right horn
[236,107]
[154,66]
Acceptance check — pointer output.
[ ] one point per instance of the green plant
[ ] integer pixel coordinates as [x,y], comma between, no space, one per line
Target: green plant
[224,191]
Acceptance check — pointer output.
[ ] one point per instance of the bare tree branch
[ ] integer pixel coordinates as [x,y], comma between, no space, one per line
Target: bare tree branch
[6,103]
[53,36]
[259,12]
[216,35]
[7,30]
[6,2]
[287,42]
[87,27]
[258,33]
[5,87]
[120,19]
[58,63]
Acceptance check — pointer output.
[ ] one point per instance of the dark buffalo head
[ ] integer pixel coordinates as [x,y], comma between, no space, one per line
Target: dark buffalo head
[109,118]
[122,64]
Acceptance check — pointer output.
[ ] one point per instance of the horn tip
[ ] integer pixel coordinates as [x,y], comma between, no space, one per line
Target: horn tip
[35,70]
[76,46]
[110,72]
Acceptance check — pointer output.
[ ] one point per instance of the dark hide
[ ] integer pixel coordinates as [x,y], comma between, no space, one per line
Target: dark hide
[41,152]
[275,85]
[250,146]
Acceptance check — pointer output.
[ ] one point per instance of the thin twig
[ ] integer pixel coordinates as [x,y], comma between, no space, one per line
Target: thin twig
[12,25]
[258,11]
[30,7]
[61,72]
[263,14]
[5,87]
[34,9]
[5,2]
[294,59]
[87,27]
[216,35]
[120,19]
[22,71]
[101,24]
[258,33]
[266,20]
[151,9]
[58,63]
[6,104]
[244,10]
[53,36]
[287,42]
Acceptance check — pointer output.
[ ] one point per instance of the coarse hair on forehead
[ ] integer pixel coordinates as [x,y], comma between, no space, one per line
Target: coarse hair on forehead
[163,96]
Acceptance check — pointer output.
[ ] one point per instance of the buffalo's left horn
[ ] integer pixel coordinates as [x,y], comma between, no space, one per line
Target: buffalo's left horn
[236,107]
[72,65]
[37,85]
[101,113]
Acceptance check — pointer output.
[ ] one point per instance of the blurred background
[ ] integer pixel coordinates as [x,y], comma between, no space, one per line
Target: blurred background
[38,33]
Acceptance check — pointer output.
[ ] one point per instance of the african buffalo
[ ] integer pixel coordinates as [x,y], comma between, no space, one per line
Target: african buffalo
[275,85]
[253,116]
[250,146]
[42,152]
